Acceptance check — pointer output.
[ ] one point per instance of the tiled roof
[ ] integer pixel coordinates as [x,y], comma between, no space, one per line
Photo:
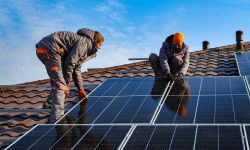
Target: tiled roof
[21,105]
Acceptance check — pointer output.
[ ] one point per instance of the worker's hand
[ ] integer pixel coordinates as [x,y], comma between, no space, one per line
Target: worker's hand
[179,77]
[67,91]
[82,94]
[170,77]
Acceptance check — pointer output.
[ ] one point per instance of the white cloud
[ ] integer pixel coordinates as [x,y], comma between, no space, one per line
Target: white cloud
[112,9]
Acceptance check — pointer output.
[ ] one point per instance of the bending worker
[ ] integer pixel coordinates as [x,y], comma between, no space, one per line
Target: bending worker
[63,53]
[173,60]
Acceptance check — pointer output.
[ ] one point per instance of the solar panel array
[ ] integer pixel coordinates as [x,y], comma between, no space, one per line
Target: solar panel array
[148,113]
[243,61]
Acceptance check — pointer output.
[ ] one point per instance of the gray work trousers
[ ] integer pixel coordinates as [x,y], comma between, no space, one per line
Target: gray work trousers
[174,65]
[53,64]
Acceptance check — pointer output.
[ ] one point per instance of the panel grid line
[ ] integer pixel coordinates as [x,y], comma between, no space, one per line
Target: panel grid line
[127,137]
[22,136]
[215,103]
[237,63]
[78,103]
[218,130]
[245,136]
[138,109]
[82,137]
[126,103]
[195,137]
[41,137]
[198,101]
[102,138]
[60,138]
[172,138]
[162,102]
[232,98]
[150,138]
[109,103]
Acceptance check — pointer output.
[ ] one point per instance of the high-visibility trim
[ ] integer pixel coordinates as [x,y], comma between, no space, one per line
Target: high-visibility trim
[54,68]
[41,51]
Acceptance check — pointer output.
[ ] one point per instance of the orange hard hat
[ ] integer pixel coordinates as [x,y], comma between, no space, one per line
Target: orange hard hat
[178,38]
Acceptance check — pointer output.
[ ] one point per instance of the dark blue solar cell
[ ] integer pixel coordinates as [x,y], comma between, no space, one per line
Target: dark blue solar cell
[230,138]
[112,110]
[244,69]
[87,115]
[140,137]
[51,138]
[129,110]
[238,85]
[117,87]
[207,137]
[132,86]
[206,109]
[247,55]
[195,85]
[224,109]
[208,86]
[241,108]
[146,87]
[93,138]
[186,110]
[242,58]
[114,137]
[183,137]
[146,111]
[223,85]
[104,87]
[71,137]
[33,136]
[161,138]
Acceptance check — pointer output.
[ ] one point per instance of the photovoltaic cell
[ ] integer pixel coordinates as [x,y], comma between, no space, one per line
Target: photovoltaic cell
[243,60]
[215,100]
[128,86]
[186,137]
[219,137]
[125,107]
[73,136]
[32,137]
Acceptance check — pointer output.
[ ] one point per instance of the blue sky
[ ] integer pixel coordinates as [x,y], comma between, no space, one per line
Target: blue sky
[132,28]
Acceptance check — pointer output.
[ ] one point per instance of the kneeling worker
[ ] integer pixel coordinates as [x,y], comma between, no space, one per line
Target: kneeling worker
[173,60]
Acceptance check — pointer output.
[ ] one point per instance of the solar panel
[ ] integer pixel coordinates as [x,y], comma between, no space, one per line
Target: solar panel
[148,113]
[135,101]
[206,100]
[186,137]
[243,61]
[73,136]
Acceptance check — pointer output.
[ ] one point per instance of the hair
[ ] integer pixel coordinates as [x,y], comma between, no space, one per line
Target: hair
[98,38]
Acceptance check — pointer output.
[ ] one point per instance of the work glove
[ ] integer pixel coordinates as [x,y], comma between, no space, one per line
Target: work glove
[66,91]
[179,77]
[82,94]
[170,77]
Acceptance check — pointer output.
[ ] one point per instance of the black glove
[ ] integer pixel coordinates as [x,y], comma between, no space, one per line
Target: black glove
[170,77]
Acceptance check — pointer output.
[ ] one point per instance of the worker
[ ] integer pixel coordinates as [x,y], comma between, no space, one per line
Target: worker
[173,60]
[63,53]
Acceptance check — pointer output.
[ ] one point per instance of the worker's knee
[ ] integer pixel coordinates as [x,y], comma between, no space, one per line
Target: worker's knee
[153,57]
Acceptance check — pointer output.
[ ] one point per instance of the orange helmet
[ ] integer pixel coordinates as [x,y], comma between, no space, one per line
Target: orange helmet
[178,38]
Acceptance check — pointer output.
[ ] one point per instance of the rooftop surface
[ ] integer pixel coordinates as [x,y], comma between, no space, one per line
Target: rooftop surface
[21,105]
